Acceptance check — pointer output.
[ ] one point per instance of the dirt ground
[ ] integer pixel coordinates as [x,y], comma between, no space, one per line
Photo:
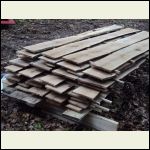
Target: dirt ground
[130,103]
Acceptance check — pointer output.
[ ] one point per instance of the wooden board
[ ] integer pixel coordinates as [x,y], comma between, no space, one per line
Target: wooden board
[102,50]
[59,89]
[13,68]
[28,54]
[30,72]
[75,108]
[13,78]
[51,61]
[78,104]
[25,98]
[73,67]
[41,65]
[79,74]
[76,115]
[64,73]
[79,100]
[38,91]
[93,82]
[52,80]
[56,97]
[58,42]
[23,84]
[80,45]
[18,87]
[19,62]
[86,92]
[98,74]
[33,83]
[115,60]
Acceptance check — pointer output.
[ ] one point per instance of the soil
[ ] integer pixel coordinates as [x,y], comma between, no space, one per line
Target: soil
[130,103]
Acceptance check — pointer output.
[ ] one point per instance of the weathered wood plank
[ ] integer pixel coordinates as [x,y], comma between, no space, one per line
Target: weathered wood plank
[80,45]
[59,89]
[52,80]
[58,42]
[64,73]
[56,97]
[102,50]
[19,62]
[76,115]
[38,91]
[78,104]
[41,65]
[73,67]
[75,108]
[51,61]
[86,92]
[13,68]
[115,60]
[30,72]
[98,74]
[28,54]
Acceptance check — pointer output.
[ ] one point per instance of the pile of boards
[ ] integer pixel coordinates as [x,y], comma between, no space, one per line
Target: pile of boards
[76,73]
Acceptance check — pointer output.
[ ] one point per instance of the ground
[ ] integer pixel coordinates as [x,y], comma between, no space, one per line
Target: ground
[130,103]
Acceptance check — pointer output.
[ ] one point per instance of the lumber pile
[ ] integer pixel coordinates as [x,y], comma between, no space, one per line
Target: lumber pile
[76,73]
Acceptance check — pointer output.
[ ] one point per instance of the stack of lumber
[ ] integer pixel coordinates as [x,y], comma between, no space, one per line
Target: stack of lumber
[76,73]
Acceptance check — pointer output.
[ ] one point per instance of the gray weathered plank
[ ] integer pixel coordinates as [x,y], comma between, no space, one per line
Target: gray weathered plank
[102,50]
[80,45]
[58,42]
[115,60]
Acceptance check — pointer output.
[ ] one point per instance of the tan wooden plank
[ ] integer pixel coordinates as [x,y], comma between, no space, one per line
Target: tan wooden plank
[93,82]
[18,87]
[51,61]
[30,72]
[75,108]
[64,73]
[56,97]
[13,68]
[86,92]
[19,62]
[80,45]
[27,54]
[52,80]
[98,74]
[102,50]
[59,89]
[73,67]
[40,65]
[76,115]
[58,42]
[38,91]
[115,60]
[78,104]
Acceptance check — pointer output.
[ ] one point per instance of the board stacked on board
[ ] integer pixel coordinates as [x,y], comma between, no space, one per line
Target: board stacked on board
[75,74]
